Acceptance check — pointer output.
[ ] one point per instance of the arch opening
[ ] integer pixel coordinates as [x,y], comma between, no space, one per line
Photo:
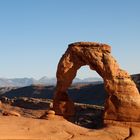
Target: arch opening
[85,72]
[87,89]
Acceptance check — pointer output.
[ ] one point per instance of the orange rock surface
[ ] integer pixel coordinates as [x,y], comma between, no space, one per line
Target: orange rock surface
[29,126]
[123,102]
[20,128]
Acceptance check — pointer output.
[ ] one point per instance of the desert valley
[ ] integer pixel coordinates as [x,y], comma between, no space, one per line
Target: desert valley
[23,115]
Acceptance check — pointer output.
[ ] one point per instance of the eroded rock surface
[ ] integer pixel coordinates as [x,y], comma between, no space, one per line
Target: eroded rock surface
[123,102]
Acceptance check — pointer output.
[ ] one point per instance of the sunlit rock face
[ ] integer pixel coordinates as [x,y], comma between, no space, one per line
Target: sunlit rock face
[123,101]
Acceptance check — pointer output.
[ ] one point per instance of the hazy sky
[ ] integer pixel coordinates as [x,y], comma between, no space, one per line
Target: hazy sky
[35,33]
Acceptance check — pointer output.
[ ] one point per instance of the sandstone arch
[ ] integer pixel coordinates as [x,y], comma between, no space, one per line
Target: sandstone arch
[123,102]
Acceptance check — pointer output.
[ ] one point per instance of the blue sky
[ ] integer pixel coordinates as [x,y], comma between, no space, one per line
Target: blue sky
[35,33]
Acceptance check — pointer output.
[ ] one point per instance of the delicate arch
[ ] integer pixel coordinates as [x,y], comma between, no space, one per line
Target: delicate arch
[118,83]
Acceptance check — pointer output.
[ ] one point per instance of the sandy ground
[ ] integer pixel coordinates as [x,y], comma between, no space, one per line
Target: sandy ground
[57,128]
[27,126]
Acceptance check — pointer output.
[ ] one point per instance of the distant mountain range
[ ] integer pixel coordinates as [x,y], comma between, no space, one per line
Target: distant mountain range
[22,82]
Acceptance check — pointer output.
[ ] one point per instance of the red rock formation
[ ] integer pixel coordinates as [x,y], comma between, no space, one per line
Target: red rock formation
[123,102]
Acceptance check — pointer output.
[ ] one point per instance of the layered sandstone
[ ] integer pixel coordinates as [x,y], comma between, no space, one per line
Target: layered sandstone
[123,102]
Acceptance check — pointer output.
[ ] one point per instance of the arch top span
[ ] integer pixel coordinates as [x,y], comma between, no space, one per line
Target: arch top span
[122,91]
[95,45]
